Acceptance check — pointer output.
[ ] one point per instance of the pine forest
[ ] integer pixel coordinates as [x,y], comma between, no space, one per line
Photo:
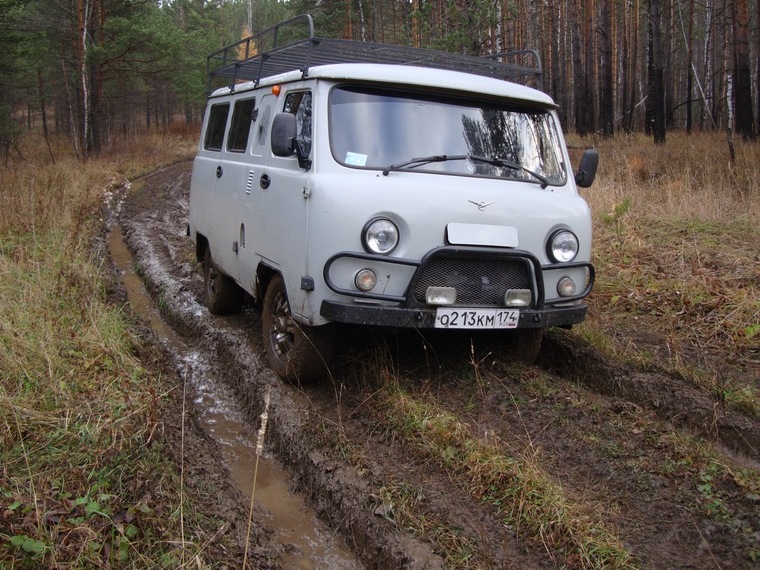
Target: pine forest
[95,71]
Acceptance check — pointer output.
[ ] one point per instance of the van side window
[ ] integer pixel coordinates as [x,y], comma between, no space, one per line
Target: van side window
[299,104]
[242,117]
[217,121]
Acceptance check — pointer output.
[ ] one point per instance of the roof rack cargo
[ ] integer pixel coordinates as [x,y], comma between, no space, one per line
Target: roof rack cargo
[264,54]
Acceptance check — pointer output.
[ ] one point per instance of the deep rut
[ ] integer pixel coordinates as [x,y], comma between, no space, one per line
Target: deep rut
[610,436]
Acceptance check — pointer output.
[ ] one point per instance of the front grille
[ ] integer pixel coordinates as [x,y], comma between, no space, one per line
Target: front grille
[479,282]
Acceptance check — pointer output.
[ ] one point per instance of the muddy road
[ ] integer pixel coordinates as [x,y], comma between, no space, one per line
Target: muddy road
[667,476]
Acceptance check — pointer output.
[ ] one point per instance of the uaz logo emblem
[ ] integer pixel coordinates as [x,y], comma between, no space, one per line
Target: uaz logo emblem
[481,205]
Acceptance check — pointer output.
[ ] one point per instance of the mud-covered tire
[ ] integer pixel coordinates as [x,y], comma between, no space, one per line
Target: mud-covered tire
[296,353]
[523,345]
[221,294]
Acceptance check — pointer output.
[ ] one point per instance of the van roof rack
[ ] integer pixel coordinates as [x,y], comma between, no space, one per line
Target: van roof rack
[266,54]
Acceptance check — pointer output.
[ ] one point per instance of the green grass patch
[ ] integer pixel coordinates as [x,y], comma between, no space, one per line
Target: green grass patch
[522,494]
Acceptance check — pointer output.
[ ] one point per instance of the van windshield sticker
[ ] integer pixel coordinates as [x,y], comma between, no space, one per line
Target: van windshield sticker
[355,159]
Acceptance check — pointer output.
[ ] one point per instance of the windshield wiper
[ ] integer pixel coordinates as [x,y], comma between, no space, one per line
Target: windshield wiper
[423,160]
[474,157]
[509,164]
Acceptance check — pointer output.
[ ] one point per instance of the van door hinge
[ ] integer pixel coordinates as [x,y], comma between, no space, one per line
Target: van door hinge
[306,192]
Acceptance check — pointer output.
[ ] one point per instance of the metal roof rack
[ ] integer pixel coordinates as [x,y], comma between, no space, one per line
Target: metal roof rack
[264,54]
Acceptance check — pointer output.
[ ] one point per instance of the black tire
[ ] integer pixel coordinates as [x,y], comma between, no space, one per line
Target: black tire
[221,294]
[297,353]
[523,345]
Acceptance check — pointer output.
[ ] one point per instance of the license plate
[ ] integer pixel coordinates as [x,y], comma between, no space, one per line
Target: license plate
[449,318]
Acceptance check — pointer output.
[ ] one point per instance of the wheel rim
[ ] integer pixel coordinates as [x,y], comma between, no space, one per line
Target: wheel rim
[282,331]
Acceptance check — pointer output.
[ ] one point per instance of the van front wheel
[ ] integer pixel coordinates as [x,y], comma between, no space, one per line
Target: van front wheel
[297,353]
[523,345]
[222,294]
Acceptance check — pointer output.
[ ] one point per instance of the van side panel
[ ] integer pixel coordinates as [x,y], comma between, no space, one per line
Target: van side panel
[277,209]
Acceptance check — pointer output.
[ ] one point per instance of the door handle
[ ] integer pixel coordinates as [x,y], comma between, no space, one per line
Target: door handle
[265,181]
[219,171]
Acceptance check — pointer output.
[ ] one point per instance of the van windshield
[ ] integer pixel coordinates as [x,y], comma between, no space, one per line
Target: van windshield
[388,129]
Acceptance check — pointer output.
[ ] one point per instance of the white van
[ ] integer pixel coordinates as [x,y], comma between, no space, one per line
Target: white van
[352,182]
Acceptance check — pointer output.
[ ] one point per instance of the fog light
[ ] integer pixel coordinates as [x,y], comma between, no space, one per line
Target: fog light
[517,298]
[365,280]
[566,287]
[441,296]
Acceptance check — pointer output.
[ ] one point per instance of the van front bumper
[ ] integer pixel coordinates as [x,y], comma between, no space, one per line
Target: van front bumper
[481,274]
[386,316]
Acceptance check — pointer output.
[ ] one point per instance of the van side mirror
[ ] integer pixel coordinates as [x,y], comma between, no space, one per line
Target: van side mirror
[587,170]
[283,133]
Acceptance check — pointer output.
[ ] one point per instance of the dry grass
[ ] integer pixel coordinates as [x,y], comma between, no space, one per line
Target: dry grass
[678,266]
[38,194]
[676,234]
[492,472]
[78,409]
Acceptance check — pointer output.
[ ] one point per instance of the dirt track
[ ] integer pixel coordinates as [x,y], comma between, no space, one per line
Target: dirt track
[609,436]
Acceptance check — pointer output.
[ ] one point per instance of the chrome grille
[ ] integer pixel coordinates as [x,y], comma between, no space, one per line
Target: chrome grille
[478,282]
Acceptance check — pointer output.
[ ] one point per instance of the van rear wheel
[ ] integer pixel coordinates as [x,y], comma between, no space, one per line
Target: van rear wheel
[222,294]
[297,353]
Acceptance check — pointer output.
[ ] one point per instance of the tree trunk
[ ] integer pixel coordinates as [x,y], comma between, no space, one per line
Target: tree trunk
[590,68]
[631,67]
[46,134]
[657,72]
[578,75]
[745,121]
[667,37]
[83,13]
[730,111]
[689,74]
[606,97]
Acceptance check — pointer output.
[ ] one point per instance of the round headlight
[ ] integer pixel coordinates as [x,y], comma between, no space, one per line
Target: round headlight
[562,246]
[380,236]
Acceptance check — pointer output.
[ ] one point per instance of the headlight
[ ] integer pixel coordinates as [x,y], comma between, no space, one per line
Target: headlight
[562,246]
[380,236]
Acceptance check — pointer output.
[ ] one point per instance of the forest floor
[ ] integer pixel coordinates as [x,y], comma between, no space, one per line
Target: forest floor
[436,453]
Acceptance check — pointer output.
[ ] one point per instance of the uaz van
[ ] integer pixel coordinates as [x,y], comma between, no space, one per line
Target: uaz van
[352,182]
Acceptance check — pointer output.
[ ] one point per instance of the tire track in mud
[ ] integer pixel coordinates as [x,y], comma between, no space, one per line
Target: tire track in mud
[164,255]
[582,438]
[673,399]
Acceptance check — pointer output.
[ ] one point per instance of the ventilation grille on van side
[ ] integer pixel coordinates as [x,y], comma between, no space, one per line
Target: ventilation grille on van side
[263,55]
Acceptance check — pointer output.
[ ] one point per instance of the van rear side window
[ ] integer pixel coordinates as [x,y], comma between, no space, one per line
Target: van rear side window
[217,121]
[242,117]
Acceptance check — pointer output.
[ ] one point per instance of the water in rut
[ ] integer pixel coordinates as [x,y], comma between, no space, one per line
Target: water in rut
[308,544]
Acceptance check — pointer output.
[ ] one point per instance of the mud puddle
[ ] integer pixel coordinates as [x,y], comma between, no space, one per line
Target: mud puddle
[307,543]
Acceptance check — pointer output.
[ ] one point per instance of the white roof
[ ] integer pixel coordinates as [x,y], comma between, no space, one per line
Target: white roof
[408,75]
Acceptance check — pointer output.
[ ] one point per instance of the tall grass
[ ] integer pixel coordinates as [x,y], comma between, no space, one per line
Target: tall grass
[676,233]
[83,482]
